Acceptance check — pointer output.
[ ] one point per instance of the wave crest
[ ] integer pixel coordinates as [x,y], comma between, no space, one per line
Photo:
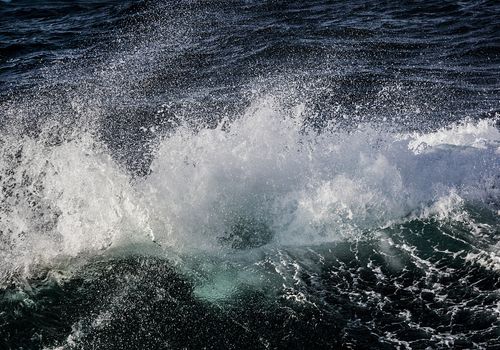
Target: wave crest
[265,178]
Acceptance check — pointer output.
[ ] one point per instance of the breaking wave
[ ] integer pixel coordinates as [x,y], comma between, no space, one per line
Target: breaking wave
[266,179]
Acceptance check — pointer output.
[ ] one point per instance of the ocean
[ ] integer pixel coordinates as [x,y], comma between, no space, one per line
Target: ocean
[205,174]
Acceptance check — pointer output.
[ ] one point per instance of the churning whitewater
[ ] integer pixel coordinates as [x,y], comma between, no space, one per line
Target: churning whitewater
[265,179]
[249,175]
[265,201]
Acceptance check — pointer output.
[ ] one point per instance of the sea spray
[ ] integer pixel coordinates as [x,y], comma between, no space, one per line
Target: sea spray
[264,179]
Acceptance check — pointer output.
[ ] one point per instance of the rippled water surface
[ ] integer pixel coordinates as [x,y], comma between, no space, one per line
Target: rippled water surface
[249,174]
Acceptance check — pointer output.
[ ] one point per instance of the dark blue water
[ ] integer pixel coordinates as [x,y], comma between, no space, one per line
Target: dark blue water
[244,174]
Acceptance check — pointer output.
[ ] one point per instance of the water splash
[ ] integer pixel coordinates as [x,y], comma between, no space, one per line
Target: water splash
[264,179]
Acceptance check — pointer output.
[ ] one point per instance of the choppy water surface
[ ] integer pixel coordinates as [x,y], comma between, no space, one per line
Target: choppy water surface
[243,174]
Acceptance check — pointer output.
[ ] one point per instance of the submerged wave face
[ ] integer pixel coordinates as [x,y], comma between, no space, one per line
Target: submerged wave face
[249,175]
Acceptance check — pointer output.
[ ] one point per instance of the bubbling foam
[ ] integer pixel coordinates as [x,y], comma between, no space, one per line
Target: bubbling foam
[264,178]
[307,188]
[61,200]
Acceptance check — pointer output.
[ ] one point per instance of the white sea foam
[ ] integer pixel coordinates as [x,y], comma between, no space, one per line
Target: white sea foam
[265,170]
[62,200]
[310,188]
